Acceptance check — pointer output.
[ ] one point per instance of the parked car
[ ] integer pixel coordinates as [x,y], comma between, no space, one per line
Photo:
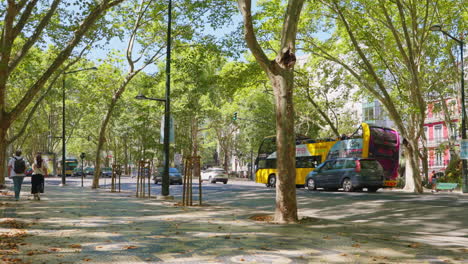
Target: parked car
[175,177]
[347,173]
[106,172]
[77,172]
[89,171]
[214,175]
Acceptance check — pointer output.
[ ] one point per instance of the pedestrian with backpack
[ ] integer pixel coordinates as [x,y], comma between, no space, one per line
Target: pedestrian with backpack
[16,170]
[37,180]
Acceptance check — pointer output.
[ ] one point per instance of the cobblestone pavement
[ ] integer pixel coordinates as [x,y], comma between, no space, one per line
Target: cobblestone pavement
[80,225]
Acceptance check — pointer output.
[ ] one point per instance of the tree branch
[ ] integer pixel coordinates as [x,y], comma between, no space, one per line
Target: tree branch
[61,57]
[245,6]
[38,102]
[32,39]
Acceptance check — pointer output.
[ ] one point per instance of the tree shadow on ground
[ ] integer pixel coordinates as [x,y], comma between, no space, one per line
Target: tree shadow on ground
[95,226]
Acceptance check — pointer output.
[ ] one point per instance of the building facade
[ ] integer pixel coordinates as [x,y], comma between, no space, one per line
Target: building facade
[374,113]
[438,134]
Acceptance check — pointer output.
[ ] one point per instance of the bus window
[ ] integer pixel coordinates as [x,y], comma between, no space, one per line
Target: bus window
[308,162]
[267,164]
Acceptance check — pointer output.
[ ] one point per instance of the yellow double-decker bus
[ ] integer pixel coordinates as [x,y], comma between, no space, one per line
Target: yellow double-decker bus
[309,154]
[368,141]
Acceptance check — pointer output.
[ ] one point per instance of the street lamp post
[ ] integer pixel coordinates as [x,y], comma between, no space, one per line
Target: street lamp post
[63,120]
[167,106]
[167,117]
[462,94]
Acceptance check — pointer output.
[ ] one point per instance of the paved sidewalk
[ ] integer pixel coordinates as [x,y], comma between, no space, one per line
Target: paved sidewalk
[80,225]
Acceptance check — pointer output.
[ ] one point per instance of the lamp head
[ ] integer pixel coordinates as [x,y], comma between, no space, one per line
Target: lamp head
[140,97]
[436,28]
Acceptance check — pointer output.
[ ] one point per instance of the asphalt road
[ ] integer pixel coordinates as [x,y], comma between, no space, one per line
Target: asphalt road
[389,210]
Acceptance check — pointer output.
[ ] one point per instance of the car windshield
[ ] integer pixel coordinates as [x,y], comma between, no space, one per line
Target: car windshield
[106,169]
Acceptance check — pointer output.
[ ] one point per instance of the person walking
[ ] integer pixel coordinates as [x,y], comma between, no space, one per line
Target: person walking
[433,180]
[16,170]
[37,180]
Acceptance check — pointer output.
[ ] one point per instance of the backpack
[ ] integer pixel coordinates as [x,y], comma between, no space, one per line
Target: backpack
[20,166]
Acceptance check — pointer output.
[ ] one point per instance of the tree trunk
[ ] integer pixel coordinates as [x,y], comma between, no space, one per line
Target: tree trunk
[102,133]
[280,72]
[126,172]
[286,205]
[413,181]
[3,156]
[424,158]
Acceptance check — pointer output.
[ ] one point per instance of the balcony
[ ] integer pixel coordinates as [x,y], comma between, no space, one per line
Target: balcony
[432,143]
[440,118]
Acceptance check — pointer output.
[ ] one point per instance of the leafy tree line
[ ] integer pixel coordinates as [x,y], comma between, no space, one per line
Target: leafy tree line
[361,49]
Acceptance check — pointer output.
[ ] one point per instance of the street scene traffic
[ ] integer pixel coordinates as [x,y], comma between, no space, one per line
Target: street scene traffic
[221,131]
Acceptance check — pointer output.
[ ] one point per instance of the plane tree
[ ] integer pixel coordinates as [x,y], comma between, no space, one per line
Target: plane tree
[25,26]
[280,72]
[389,50]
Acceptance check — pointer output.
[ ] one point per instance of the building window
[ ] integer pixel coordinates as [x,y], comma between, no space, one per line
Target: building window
[369,113]
[454,130]
[439,161]
[438,133]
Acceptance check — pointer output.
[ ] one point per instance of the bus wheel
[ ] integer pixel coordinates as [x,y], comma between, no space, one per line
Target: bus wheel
[272,181]
[311,184]
[347,185]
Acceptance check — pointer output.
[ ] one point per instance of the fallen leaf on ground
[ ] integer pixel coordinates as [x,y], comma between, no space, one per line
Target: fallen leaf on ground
[54,249]
[129,247]
[356,245]
[75,246]
[414,245]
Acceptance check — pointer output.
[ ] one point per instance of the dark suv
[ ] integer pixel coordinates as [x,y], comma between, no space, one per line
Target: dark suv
[174,176]
[347,173]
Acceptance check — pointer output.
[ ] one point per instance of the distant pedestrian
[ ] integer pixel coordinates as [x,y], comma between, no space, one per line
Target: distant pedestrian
[37,179]
[16,170]
[433,180]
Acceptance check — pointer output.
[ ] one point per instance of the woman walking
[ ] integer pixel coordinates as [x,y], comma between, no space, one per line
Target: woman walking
[37,179]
